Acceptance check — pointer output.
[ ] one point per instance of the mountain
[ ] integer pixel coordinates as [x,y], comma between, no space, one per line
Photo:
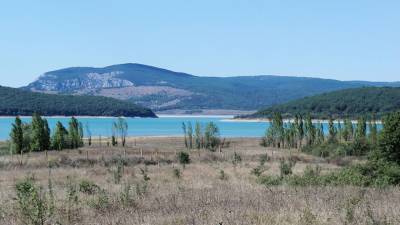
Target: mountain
[162,89]
[20,102]
[340,104]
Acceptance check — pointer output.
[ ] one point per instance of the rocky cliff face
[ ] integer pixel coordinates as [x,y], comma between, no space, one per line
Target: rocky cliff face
[84,83]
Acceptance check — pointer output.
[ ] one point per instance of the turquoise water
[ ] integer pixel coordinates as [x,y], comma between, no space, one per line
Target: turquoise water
[163,126]
[171,126]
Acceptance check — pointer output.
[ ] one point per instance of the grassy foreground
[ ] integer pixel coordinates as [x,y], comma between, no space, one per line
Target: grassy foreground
[145,184]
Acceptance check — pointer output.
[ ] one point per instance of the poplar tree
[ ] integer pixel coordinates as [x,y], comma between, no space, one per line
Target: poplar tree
[40,137]
[17,136]
[332,130]
[190,134]
[361,130]
[74,134]
[60,136]
[198,136]
[373,131]
[184,133]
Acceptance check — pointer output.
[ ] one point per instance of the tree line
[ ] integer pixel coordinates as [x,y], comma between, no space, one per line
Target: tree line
[302,132]
[36,136]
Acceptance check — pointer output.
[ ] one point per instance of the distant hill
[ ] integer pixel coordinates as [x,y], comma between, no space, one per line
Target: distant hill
[162,89]
[20,102]
[340,104]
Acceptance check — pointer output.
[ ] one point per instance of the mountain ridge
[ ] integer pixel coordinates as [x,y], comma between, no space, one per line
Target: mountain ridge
[163,89]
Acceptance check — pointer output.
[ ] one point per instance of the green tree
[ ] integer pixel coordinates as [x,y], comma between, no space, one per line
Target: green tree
[39,141]
[74,134]
[348,130]
[60,136]
[211,136]
[332,130]
[184,134]
[46,135]
[198,136]
[17,135]
[190,134]
[310,131]
[361,130]
[389,139]
[373,131]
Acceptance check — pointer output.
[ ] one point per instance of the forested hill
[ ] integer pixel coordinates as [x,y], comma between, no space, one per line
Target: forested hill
[19,102]
[340,104]
[161,89]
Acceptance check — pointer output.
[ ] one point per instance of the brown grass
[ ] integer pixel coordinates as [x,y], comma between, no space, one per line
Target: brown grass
[199,196]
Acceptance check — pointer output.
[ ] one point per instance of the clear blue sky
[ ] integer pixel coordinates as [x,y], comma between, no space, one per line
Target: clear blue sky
[340,39]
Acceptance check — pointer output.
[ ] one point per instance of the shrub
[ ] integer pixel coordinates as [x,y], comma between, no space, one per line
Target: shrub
[286,167]
[222,175]
[32,202]
[100,202]
[183,158]
[236,159]
[263,159]
[177,173]
[126,195]
[88,187]
[257,171]
[270,180]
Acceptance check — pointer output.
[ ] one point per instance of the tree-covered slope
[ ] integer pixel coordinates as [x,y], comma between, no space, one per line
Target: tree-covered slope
[339,104]
[162,89]
[19,102]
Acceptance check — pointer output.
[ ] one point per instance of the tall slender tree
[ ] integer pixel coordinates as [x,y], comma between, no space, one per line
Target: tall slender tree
[17,137]
[190,134]
[184,134]
[121,127]
[198,136]
[60,137]
[361,130]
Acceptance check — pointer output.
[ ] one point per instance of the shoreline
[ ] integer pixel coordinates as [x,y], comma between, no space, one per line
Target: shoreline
[261,120]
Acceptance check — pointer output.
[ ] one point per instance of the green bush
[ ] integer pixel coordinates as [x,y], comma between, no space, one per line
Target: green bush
[32,202]
[286,167]
[88,187]
[183,158]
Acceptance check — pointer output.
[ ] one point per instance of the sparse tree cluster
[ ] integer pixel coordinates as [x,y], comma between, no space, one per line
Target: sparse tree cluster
[202,137]
[36,136]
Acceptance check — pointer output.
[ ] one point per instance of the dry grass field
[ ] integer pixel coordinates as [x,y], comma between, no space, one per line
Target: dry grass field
[150,187]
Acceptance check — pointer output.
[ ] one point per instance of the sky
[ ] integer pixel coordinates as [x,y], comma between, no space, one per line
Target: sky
[341,39]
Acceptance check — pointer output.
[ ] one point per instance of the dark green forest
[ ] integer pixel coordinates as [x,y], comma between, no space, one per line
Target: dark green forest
[15,102]
[349,103]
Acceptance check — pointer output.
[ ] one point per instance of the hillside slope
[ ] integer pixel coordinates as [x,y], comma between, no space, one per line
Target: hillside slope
[340,104]
[19,102]
[162,89]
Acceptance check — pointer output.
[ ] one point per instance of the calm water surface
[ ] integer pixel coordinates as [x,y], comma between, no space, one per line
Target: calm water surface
[171,125]
[163,126]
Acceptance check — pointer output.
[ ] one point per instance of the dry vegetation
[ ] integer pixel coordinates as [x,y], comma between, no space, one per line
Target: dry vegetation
[145,184]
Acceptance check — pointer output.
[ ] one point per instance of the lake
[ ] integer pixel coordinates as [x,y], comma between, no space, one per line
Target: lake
[163,126]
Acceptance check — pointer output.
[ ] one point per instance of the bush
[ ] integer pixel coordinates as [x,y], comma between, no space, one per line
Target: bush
[183,158]
[177,173]
[263,159]
[88,187]
[32,202]
[286,167]
[236,159]
[100,202]
[222,175]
